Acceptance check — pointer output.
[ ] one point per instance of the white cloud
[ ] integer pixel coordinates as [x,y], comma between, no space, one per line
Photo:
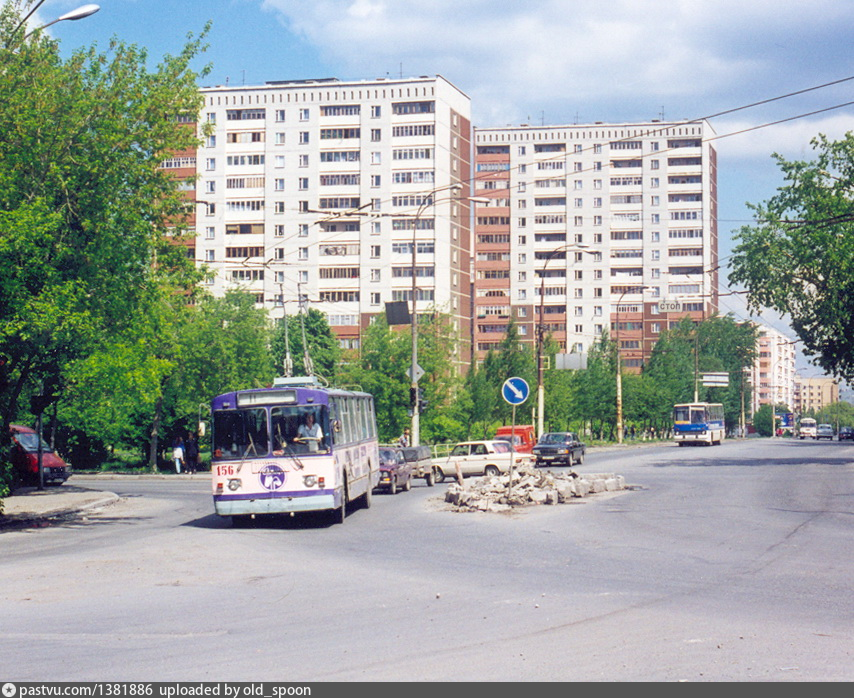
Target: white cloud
[585,56]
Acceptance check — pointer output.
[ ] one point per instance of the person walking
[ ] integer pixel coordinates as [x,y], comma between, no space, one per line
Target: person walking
[403,439]
[178,453]
[191,454]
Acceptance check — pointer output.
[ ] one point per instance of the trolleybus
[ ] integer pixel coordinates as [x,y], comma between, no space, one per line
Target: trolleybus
[294,447]
[699,422]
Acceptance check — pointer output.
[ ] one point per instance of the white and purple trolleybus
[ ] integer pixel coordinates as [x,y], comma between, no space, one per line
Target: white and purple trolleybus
[296,446]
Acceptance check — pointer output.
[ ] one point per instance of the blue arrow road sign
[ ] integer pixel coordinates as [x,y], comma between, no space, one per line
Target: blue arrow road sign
[515,390]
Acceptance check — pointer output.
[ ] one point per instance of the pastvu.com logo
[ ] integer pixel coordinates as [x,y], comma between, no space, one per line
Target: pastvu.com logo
[9,690]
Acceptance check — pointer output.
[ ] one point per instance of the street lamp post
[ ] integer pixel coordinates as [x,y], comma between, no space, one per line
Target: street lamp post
[541,332]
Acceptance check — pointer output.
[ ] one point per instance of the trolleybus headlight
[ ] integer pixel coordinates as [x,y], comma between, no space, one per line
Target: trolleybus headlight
[310,480]
[234,484]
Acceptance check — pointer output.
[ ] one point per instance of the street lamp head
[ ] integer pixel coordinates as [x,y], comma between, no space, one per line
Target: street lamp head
[80,12]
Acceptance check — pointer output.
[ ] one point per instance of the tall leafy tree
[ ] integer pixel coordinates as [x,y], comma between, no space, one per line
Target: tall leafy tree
[798,257]
[86,212]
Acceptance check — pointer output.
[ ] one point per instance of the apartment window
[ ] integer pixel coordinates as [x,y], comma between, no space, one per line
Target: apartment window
[375,181]
[376,111]
[303,230]
[375,251]
[279,161]
[653,164]
[303,276]
[303,253]
[376,229]
[280,138]
[210,187]
[210,232]
[521,150]
[211,117]
[304,114]
[209,256]
[279,207]
[279,231]
[375,299]
[279,184]
[303,137]
[303,160]
[375,275]
[653,182]
[280,115]
[376,134]
[211,141]
[303,206]
[376,204]
[210,164]
[303,183]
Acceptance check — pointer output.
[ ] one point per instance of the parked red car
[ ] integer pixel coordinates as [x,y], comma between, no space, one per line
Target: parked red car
[25,458]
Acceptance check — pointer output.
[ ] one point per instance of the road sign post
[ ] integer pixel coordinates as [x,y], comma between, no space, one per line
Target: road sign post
[514,391]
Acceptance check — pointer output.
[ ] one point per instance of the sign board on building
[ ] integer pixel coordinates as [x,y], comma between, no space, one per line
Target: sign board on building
[669,306]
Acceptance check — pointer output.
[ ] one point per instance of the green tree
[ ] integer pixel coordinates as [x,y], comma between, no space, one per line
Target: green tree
[87,215]
[798,257]
[324,350]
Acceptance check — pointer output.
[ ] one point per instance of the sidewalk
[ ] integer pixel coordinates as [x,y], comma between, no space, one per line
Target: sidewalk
[30,505]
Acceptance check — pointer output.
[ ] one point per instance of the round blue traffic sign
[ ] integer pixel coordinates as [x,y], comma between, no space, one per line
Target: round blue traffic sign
[515,390]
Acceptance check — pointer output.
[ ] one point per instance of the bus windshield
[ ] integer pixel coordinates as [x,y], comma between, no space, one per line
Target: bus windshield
[244,433]
[689,415]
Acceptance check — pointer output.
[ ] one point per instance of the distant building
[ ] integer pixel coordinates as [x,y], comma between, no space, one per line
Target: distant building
[773,374]
[815,392]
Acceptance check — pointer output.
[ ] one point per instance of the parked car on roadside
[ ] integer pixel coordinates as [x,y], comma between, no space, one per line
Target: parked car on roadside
[846,434]
[395,472]
[824,431]
[480,458]
[420,458]
[25,458]
[559,448]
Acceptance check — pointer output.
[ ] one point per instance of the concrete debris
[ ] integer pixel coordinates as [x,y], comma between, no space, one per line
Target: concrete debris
[530,487]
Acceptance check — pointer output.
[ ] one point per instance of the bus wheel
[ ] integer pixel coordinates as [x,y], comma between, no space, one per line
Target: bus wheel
[369,495]
[341,514]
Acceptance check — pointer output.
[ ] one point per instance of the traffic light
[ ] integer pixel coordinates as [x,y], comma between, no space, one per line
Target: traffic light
[39,403]
[413,396]
[422,403]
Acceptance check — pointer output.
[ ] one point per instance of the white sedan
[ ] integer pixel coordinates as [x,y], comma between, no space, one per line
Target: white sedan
[479,458]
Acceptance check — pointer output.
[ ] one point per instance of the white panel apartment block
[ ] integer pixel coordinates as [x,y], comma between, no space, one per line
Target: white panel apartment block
[312,187]
[606,219]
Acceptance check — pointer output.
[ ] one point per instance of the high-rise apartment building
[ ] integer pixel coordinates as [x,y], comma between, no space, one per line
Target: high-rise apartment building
[320,189]
[590,228]
[773,375]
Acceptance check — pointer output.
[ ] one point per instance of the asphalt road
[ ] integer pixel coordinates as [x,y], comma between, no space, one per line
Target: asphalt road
[725,563]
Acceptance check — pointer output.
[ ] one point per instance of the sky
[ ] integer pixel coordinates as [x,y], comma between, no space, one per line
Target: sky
[552,62]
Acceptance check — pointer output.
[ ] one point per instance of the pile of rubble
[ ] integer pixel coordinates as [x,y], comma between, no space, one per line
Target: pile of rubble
[530,486]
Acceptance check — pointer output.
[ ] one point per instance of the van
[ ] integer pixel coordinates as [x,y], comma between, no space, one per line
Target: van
[25,458]
[522,436]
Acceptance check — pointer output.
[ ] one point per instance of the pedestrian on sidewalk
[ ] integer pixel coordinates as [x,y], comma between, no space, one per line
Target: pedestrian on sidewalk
[191,454]
[178,453]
